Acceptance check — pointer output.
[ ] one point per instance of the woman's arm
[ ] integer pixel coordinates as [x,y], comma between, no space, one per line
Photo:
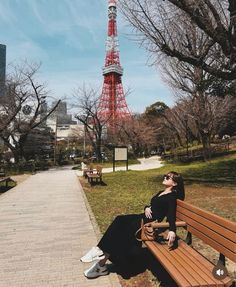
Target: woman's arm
[171,213]
[171,217]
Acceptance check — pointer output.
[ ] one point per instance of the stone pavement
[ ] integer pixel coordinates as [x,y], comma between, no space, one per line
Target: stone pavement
[45,228]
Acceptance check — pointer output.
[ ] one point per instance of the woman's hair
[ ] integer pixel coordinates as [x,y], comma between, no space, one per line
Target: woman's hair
[179,188]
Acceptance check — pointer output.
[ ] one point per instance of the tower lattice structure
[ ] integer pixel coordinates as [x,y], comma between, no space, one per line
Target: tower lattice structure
[112,106]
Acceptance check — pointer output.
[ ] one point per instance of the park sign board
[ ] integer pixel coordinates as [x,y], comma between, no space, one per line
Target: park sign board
[120,154]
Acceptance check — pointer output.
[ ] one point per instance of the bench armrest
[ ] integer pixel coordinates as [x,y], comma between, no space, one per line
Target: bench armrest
[166,224]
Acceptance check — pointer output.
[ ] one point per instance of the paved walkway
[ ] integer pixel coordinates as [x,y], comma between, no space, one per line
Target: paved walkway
[44,230]
[145,164]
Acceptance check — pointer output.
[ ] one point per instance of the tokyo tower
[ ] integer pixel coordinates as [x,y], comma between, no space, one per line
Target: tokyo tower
[112,105]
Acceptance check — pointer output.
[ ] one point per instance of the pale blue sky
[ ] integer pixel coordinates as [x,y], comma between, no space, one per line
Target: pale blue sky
[68,37]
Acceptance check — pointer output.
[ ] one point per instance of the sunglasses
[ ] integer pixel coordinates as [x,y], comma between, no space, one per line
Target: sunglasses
[167,177]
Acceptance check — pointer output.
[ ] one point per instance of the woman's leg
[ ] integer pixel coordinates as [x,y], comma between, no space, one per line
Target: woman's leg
[119,238]
[103,261]
[115,243]
[95,253]
[98,269]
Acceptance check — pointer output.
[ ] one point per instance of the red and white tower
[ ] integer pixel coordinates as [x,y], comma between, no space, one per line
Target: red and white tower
[112,106]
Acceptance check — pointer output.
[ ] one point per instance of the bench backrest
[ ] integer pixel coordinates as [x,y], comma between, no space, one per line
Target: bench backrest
[214,230]
[99,169]
[91,166]
[2,179]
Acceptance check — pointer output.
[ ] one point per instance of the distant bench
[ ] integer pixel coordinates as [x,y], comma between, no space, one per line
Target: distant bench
[94,175]
[186,265]
[6,180]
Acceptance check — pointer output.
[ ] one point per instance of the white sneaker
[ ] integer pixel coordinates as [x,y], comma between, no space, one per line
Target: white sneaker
[95,271]
[95,253]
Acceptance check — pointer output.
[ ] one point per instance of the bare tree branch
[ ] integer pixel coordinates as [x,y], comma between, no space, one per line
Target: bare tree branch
[158,31]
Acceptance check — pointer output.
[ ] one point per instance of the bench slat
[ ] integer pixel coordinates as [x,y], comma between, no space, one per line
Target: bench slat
[218,238]
[208,215]
[92,175]
[183,269]
[228,253]
[196,263]
[208,223]
[168,264]
[205,264]
[189,265]
[2,179]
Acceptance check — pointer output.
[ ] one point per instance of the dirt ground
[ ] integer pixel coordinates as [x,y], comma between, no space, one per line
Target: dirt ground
[145,279]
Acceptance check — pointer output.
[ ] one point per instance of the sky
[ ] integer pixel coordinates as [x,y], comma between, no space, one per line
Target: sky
[68,38]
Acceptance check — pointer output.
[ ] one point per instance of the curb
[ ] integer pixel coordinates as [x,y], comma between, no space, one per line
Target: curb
[112,276]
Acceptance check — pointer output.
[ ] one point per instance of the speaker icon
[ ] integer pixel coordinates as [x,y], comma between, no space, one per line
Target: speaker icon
[219,272]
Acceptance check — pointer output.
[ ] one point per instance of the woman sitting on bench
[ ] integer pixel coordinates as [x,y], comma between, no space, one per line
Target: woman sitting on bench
[119,244]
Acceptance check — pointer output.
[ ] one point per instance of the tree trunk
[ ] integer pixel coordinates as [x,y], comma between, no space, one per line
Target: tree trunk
[98,150]
[206,145]
[16,156]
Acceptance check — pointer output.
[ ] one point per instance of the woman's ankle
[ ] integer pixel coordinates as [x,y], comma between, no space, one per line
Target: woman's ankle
[102,263]
[104,260]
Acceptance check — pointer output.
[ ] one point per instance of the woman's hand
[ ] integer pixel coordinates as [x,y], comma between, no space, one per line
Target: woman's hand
[148,212]
[171,238]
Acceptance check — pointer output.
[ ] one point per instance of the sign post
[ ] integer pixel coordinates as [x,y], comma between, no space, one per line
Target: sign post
[120,154]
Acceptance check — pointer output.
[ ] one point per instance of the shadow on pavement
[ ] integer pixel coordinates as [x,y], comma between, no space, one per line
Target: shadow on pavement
[4,188]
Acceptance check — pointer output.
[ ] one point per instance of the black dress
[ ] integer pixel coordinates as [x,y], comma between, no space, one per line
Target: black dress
[119,239]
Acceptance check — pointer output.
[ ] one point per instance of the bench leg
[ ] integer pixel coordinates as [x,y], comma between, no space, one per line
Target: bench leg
[221,259]
[188,239]
[90,180]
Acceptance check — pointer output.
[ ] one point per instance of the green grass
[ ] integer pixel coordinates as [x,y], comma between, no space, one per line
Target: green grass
[129,192]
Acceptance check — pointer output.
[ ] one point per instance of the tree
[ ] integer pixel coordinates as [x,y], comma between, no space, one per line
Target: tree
[39,144]
[229,127]
[159,28]
[87,103]
[198,110]
[196,87]
[138,133]
[155,110]
[23,108]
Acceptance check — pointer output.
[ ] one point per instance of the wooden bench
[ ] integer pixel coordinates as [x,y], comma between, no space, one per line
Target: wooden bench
[6,180]
[186,265]
[95,175]
[88,169]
